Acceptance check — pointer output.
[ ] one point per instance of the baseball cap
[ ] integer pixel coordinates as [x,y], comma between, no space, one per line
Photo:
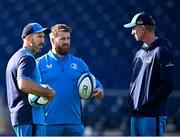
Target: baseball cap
[140,19]
[34,28]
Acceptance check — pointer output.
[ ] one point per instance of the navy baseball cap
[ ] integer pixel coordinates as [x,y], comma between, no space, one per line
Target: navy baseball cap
[34,28]
[140,19]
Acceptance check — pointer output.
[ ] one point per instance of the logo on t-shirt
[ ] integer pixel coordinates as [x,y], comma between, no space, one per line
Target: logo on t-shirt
[74,66]
[49,66]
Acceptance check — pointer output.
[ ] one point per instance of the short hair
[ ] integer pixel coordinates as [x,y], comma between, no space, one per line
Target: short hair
[150,28]
[57,28]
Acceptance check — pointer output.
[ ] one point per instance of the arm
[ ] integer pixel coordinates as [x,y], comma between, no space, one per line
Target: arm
[29,86]
[25,73]
[162,92]
[98,92]
[167,73]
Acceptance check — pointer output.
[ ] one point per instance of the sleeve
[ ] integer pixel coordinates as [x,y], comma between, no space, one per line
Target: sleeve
[167,77]
[85,69]
[167,69]
[99,85]
[26,67]
[38,61]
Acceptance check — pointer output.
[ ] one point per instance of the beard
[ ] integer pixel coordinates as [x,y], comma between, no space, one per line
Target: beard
[36,47]
[63,50]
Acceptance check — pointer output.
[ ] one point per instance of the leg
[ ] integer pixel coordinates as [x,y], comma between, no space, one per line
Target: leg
[54,130]
[23,130]
[29,130]
[147,126]
[162,125]
[40,130]
[152,126]
[134,127]
[74,130]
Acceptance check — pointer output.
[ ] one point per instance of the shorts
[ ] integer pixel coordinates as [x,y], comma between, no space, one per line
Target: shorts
[148,126]
[65,130]
[30,130]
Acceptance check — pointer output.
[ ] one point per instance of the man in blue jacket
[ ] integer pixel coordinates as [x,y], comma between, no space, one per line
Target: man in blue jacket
[61,70]
[152,79]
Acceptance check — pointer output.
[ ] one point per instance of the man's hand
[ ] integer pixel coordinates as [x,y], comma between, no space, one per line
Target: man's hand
[51,92]
[98,93]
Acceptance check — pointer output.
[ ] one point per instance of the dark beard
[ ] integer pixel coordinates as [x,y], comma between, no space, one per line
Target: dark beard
[62,51]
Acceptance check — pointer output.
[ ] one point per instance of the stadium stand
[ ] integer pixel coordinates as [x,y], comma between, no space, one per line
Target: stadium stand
[99,38]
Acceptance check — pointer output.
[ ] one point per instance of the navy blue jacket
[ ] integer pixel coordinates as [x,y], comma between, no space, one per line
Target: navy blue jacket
[152,80]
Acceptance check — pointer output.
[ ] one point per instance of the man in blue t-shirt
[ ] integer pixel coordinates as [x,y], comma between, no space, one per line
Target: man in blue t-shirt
[61,70]
[22,78]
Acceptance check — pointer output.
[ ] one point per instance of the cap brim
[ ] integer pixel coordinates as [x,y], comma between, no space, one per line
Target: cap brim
[129,25]
[45,30]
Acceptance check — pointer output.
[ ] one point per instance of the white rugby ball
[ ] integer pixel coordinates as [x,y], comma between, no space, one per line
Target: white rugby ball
[36,101]
[86,85]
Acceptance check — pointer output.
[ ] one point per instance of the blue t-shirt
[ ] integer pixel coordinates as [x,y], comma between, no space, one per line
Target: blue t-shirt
[22,65]
[62,73]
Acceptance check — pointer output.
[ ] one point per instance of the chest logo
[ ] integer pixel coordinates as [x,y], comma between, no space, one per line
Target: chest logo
[49,66]
[74,66]
[148,59]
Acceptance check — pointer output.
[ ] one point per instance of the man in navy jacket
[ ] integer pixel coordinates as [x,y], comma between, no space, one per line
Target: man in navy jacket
[152,79]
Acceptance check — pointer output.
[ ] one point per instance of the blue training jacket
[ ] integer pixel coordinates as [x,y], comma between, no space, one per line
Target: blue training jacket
[62,73]
[152,80]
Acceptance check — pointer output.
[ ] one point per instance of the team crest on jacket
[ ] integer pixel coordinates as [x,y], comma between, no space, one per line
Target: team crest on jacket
[73,65]
[148,59]
[169,64]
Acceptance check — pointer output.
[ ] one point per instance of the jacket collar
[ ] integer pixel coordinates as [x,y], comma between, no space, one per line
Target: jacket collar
[56,57]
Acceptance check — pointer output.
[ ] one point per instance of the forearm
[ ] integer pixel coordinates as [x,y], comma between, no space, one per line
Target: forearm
[99,85]
[162,92]
[29,86]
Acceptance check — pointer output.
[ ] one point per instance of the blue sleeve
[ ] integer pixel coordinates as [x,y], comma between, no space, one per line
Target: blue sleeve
[99,85]
[26,67]
[39,64]
[86,69]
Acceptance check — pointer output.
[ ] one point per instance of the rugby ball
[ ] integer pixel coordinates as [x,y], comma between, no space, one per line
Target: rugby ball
[37,101]
[86,85]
